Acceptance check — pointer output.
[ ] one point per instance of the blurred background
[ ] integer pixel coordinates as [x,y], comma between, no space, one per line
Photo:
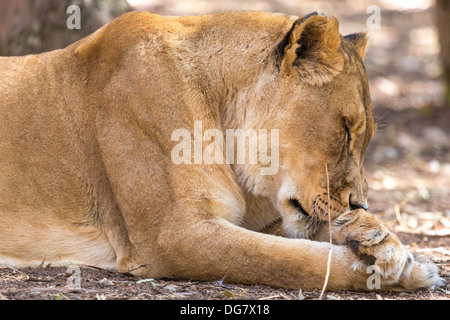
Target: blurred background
[407,162]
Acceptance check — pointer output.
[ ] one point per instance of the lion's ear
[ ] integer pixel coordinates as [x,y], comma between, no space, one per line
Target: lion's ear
[359,42]
[311,48]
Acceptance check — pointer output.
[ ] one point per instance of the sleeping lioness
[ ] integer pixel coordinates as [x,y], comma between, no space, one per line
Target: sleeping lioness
[87,170]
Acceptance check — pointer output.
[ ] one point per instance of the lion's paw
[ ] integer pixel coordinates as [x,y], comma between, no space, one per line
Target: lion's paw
[376,246]
[423,274]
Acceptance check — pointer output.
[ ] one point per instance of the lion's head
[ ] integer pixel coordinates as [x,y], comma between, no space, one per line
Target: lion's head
[316,93]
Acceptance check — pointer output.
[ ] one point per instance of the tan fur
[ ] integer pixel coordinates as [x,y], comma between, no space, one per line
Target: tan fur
[86,174]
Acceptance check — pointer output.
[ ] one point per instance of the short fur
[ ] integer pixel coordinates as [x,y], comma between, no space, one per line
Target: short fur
[85,154]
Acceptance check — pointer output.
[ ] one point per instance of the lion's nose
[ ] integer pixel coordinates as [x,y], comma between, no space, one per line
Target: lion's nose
[356,203]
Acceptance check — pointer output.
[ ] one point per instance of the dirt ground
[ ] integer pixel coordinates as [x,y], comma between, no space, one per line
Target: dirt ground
[407,162]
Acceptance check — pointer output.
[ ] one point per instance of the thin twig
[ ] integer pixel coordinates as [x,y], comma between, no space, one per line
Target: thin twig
[19,271]
[399,206]
[32,279]
[329,230]
[398,215]
[129,272]
[277,296]
[42,263]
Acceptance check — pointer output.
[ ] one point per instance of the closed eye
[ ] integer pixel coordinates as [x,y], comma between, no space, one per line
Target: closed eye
[349,136]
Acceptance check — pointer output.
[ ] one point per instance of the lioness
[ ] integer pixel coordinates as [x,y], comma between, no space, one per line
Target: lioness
[86,168]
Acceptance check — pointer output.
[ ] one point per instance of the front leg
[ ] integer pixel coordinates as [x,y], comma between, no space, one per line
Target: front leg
[179,222]
[376,246]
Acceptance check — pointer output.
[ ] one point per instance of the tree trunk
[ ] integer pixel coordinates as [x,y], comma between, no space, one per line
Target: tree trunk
[34,26]
[443,26]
